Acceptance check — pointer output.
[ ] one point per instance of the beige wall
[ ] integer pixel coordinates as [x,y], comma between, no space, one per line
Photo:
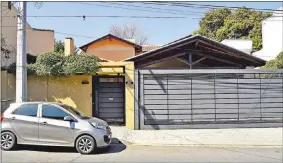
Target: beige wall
[37,41]
[168,64]
[111,49]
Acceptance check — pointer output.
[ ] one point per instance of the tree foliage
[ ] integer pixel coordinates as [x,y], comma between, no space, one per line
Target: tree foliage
[129,31]
[223,24]
[55,64]
[59,46]
[276,63]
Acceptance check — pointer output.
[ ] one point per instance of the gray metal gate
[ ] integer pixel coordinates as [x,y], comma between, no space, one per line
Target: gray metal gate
[172,99]
[110,99]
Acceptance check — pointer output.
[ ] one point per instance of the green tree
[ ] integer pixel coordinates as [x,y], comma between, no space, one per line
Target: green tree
[58,46]
[223,24]
[276,63]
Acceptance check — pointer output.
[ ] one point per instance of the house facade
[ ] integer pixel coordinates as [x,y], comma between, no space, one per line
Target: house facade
[192,82]
[38,40]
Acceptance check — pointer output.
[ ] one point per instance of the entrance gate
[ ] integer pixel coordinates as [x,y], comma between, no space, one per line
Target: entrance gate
[183,98]
[109,98]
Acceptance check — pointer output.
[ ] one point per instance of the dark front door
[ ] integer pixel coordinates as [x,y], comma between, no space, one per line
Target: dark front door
[109,99]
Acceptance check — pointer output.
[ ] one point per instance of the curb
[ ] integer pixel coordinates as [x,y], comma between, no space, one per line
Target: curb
[120,141]
[214,138]
[208,146]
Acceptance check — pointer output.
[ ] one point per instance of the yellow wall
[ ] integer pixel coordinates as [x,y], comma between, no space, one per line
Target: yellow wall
[70,90]
[8,86]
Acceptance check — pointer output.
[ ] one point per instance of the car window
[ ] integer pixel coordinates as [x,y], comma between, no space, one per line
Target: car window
[27,110]
[52,112]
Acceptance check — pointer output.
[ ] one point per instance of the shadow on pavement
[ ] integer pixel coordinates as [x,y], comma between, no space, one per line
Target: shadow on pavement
[113,148]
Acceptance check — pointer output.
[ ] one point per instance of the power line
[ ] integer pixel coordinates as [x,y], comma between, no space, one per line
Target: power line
[74,35]
[182,12]
[208,6]
[101,16]
[133,9]
[59,33]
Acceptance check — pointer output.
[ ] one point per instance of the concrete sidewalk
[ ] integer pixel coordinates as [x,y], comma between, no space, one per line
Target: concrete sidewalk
[247,137]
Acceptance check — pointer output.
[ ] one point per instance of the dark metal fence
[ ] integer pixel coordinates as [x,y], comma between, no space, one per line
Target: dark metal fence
[172,99]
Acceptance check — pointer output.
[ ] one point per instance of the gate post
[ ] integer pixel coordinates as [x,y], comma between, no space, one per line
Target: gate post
[137,102]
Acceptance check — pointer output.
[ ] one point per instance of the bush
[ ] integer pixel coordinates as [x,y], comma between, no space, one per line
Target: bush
[54,64]
[30,68]
[80,64]
[49,64]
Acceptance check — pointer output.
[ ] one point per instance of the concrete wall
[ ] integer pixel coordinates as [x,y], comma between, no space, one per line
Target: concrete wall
[111,49]
[70,90]
[38,41]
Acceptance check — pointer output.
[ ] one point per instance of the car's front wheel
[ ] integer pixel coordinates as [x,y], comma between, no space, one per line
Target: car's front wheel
[85,144]
[8,140]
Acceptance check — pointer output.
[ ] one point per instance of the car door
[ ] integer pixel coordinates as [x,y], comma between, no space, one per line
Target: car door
[24,121]
[52,127]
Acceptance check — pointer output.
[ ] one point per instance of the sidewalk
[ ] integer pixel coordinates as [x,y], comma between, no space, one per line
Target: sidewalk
[247,137]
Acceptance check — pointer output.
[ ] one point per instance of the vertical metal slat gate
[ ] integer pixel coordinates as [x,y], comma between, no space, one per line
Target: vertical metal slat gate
[174,99]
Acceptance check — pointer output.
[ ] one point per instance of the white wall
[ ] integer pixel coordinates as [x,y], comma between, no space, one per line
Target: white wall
[243,45]
[38,41]
[272,37]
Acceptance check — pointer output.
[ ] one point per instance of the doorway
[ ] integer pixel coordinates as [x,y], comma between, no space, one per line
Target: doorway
[109,98]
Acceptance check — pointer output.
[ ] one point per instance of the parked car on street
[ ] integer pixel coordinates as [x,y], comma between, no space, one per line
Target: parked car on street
[52,124]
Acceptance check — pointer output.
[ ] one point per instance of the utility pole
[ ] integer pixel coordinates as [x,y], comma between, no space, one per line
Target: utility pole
[21,71]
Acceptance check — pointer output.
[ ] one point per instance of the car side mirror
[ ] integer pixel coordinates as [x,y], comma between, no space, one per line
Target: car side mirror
[68,118]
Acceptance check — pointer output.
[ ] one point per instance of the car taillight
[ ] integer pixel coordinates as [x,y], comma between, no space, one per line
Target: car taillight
[2,117]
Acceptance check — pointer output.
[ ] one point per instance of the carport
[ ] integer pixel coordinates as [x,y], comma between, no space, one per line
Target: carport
[195,52]
[195,82]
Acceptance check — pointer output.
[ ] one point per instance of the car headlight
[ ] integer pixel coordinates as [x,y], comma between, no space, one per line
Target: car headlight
[98,126]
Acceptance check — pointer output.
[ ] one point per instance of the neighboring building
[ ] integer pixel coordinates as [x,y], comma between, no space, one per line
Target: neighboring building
[272,36]
[110,47]
[38,40]
[243,45]
[146,48]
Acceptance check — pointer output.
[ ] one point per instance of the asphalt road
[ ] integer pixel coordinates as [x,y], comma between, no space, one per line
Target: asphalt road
[132,153]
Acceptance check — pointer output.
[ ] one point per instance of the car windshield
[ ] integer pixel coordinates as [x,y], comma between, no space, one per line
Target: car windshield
[75,111]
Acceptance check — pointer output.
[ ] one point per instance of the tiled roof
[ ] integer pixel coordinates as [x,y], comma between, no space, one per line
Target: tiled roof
[146,48]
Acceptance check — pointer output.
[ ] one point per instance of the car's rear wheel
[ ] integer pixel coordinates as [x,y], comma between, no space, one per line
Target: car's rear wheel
[85,144]
[8,140]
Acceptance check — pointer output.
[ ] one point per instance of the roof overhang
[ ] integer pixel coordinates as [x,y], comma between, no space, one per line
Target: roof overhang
[201,46]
